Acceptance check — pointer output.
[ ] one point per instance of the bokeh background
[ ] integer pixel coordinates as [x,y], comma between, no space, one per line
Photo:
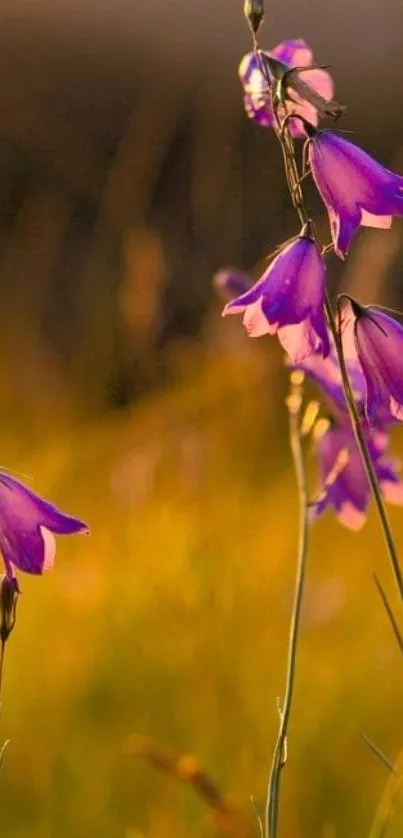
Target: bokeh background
[128,175]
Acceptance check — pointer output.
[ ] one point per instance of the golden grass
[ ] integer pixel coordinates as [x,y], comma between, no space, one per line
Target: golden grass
[171,622]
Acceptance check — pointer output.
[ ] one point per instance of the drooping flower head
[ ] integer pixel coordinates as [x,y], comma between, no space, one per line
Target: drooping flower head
[288,300]
[258,93]
[344,482]
[356,189]
[27,527]
[378,340]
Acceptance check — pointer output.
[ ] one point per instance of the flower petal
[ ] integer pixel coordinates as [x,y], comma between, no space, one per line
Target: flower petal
[294,52]
[255,322]
[26,525]
[352,518]
[49,542]
[303,340]
[392,491]
[379,343]
[351,184]
[381,222]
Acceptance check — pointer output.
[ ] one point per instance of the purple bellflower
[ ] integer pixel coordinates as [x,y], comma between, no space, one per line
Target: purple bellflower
[27,525]
[378,341]
[356,189]
[258,96]
[288,300]
[345,485]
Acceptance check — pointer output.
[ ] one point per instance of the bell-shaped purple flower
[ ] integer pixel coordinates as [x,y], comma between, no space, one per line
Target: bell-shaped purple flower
[378,340]
[343,479]
[258,97]
[356,189]
[288,300]
[27,527]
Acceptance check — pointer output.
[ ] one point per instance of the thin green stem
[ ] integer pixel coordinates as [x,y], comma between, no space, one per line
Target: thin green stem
[279,756]
[363,447]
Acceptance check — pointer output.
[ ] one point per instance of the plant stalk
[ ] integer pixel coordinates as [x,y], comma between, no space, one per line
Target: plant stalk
[279,757]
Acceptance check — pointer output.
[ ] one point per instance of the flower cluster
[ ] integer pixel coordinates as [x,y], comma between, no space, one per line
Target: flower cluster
[285,91]
[343,480]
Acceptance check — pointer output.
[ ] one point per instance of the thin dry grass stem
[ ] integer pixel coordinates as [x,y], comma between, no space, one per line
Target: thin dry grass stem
[187,769]
[378,753]
[389,800]
[389,612]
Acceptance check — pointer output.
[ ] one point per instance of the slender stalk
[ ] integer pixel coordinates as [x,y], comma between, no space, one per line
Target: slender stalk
[363,447]
[2,651]
[388,608]
[378,753]
[279,756]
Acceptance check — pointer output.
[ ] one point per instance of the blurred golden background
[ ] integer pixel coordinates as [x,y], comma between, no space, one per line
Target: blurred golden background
[128,175]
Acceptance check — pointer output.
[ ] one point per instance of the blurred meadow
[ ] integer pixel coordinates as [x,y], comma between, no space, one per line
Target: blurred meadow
[128,176]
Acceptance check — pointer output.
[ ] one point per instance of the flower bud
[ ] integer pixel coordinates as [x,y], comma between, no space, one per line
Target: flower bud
[8,606]
[254,13]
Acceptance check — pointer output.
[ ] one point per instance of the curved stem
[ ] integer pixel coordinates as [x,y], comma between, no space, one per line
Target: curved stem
[279,756]
[363,447]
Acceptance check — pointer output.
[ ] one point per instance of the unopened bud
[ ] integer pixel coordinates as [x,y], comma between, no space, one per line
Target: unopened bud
[8,606]
[254,13]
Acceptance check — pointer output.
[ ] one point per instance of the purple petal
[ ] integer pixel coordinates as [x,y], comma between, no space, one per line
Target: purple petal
[255,321]
[294,52]
[392,491]
[355,188]
[26,526]
[347,490]
[257,99]
[379,342]
[303,340]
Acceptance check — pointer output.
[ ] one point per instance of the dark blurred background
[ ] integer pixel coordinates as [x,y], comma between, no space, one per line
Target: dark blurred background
[128,175]
[129,172]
